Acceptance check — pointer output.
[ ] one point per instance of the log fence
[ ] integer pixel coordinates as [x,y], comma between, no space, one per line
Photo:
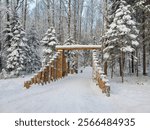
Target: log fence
[99,77]
[54,70]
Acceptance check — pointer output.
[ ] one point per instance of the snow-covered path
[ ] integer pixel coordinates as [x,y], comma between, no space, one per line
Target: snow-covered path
[75,93]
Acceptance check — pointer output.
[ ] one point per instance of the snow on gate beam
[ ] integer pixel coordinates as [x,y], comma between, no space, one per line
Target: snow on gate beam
[78,47]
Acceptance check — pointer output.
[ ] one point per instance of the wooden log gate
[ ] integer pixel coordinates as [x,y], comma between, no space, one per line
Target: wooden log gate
[57,68]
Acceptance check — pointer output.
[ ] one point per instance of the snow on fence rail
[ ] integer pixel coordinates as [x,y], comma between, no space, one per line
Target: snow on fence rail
[99,77]
[55,69]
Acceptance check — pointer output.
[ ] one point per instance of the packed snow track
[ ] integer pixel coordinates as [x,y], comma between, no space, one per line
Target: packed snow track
[75,93]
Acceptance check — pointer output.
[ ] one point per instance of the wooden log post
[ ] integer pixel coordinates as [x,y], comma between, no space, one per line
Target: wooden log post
[49,69]
[52,69]
[39,77]
[60,64]
[104,80]
[27,85]
[35,79]
[47,73]
[42,79]
[100,83]
[64,65]
[55,69]
[32,80]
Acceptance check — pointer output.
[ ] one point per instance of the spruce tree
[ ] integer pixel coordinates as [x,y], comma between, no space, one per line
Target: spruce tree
[72,63]
[122,34]
[49,42]
[18,57]
[34,45]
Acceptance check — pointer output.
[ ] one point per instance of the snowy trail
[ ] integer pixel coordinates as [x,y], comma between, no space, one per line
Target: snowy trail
[70,94]
[75,93]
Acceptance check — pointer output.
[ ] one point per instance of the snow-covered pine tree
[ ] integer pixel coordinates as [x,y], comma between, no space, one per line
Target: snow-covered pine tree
[34,45]
[69,41]
[143,17]
[7,36]
[18,52]
[121,36]
[72,57]
[49,42]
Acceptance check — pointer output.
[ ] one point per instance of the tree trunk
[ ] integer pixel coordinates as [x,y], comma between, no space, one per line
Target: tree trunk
[75,22]
[48,13]
[25,14]
[7,17]
[122,66]
[129,66]
[0,39]
[69,17]
[132,62]
[112,70]
[105,27]
[80,10]
[137,69]
[60,21]
[53,13]
[144,45]
[92,18]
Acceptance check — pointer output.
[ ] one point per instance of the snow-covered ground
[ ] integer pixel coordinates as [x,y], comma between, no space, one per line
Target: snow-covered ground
[76,93]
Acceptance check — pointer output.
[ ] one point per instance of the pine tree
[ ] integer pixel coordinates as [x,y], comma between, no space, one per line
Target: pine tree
[143,17]
[49,42]
[18,52]
[72,57]
[34,45]
[121,36]
[7,36]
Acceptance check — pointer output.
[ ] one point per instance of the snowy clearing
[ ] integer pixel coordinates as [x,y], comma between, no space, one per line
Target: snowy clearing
[76,93]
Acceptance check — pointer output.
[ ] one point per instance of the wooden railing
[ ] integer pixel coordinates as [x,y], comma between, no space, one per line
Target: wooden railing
[99,77]
[54,70]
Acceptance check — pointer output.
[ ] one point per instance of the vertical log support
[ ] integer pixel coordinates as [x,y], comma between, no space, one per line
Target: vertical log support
[49,72]
[52,69]
[64,65]
[55,68]
[60,64]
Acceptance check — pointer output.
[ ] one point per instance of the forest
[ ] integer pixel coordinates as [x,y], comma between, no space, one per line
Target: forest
[30,30]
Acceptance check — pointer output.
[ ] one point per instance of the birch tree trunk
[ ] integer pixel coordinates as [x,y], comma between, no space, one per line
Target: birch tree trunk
[48,13]
[92,18]
[75,22]
[53,13]
[80,10]
[69,17]
[60,21]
